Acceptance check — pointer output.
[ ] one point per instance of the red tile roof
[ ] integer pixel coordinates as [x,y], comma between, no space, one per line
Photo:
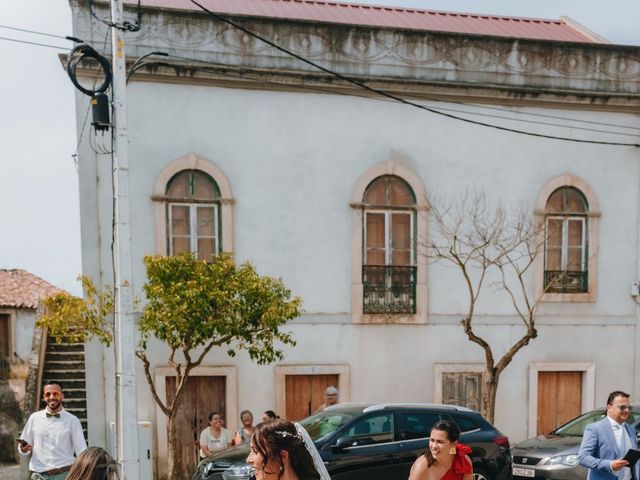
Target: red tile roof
[392,17]
[21,289]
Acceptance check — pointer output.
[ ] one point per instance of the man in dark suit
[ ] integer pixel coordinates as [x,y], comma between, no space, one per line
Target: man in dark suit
[605,442]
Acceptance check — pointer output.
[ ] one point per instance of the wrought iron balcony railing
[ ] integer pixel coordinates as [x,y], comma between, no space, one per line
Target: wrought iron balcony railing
[565,281]
[389,289]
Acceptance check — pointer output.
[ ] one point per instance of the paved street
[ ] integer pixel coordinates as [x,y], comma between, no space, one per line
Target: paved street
[9,472]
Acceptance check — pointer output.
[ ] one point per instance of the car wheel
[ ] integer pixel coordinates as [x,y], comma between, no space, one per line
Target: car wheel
[479,475]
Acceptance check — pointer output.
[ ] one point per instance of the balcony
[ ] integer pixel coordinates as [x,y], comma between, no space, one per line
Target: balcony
[565,281]
[389,289]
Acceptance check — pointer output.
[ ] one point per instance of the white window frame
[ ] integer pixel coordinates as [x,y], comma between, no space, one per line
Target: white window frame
[564,252]
[226,201]
[388,240]
[193,225]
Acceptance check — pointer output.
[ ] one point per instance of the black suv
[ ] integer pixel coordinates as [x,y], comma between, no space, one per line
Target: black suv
[380,442]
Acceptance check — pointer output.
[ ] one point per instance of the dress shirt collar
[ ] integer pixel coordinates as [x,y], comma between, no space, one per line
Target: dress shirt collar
[49,413]
[614,423]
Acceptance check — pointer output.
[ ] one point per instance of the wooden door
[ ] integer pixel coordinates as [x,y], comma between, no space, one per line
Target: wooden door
[305,393]
[462,388]
[5,336]
[202,395]
[559,399]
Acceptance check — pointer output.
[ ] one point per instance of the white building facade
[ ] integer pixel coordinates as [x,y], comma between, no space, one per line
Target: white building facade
[313,179]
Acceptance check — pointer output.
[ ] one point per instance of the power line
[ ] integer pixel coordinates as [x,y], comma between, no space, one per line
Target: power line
[465,112]
[472,105]
[484,107]
[63,37]
[33,43]
[542,115]
[394,97]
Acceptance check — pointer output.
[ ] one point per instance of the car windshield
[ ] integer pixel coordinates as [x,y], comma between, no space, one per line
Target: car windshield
[576,427]
[325,423]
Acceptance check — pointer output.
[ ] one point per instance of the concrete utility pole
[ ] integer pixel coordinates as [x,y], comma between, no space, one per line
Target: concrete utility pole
[126,401]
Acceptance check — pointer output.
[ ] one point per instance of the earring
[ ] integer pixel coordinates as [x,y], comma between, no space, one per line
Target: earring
[452,450]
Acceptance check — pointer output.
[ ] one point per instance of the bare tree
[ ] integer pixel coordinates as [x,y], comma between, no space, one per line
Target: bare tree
[491,246]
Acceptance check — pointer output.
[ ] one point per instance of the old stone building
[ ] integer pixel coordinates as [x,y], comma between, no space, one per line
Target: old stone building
[236,145]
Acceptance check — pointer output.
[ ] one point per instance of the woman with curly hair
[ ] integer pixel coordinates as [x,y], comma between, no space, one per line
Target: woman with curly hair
[445,458]
[281,450]
[94,463]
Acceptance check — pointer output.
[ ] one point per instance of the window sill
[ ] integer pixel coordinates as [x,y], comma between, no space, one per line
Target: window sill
[389,318]
[586,297]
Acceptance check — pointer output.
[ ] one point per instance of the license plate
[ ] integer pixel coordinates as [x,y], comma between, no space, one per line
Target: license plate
[524,472]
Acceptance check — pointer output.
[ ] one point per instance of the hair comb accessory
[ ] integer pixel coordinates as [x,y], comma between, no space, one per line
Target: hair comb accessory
[285,434]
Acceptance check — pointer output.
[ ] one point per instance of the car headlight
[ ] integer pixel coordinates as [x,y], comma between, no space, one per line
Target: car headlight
[238,472]
[568,460]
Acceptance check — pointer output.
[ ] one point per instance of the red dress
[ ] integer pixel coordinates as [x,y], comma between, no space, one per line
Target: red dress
[460,466]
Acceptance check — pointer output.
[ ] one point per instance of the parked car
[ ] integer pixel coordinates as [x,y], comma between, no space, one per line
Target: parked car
[555,456]
[380,442]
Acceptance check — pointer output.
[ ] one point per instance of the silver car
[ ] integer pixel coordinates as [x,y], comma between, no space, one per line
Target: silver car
[555,456]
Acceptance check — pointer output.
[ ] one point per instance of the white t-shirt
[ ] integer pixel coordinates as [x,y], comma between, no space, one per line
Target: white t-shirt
[214,444]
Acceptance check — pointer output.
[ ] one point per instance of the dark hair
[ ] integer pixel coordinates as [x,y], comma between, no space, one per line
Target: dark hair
[94,463]
[52,382]
[453,435]
[212,414]
[617,393]
[271,438]
[271,414]
[244,412]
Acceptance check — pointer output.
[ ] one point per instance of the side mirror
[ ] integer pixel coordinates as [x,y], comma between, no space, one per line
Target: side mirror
[343,442]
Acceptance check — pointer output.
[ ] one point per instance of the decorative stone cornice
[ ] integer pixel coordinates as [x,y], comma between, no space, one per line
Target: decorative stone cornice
[587,73]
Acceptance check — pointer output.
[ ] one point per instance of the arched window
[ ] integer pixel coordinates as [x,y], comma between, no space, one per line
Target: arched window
[193,206]
[389,263]
[566,244]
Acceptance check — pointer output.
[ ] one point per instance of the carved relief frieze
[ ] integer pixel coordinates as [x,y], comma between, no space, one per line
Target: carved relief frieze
[363,46]
[376,51]
[241,42]
[418,50]
[305,43]
[574,63]
[473,57]
[186,35]
[621,68]
[526,61]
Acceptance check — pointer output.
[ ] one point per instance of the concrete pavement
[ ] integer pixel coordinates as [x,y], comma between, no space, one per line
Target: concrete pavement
[9,472]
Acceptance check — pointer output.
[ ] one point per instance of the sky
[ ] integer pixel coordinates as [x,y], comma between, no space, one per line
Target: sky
[39,206]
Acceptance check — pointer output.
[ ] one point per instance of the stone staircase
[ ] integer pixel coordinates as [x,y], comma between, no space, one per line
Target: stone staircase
[64,363]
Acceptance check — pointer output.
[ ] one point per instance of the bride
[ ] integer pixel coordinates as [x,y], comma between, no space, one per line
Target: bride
[281,450]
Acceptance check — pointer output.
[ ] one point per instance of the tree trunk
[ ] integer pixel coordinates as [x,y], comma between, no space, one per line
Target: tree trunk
[489,390]
[175,466]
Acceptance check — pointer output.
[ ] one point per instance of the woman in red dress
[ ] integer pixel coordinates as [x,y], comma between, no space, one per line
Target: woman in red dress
[445,458]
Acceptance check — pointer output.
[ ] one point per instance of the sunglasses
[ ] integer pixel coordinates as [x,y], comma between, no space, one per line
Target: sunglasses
[624,408]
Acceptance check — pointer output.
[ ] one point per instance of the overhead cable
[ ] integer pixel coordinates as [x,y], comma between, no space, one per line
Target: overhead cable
[139,63]
[63,37]
[124,26]
[33,43]
[382,93]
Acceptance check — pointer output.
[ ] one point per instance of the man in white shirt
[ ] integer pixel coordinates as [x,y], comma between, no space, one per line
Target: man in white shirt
[606,442]
[52,436]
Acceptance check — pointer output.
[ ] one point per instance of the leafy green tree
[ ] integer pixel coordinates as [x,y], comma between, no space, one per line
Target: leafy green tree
[194,306]
[75,319]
